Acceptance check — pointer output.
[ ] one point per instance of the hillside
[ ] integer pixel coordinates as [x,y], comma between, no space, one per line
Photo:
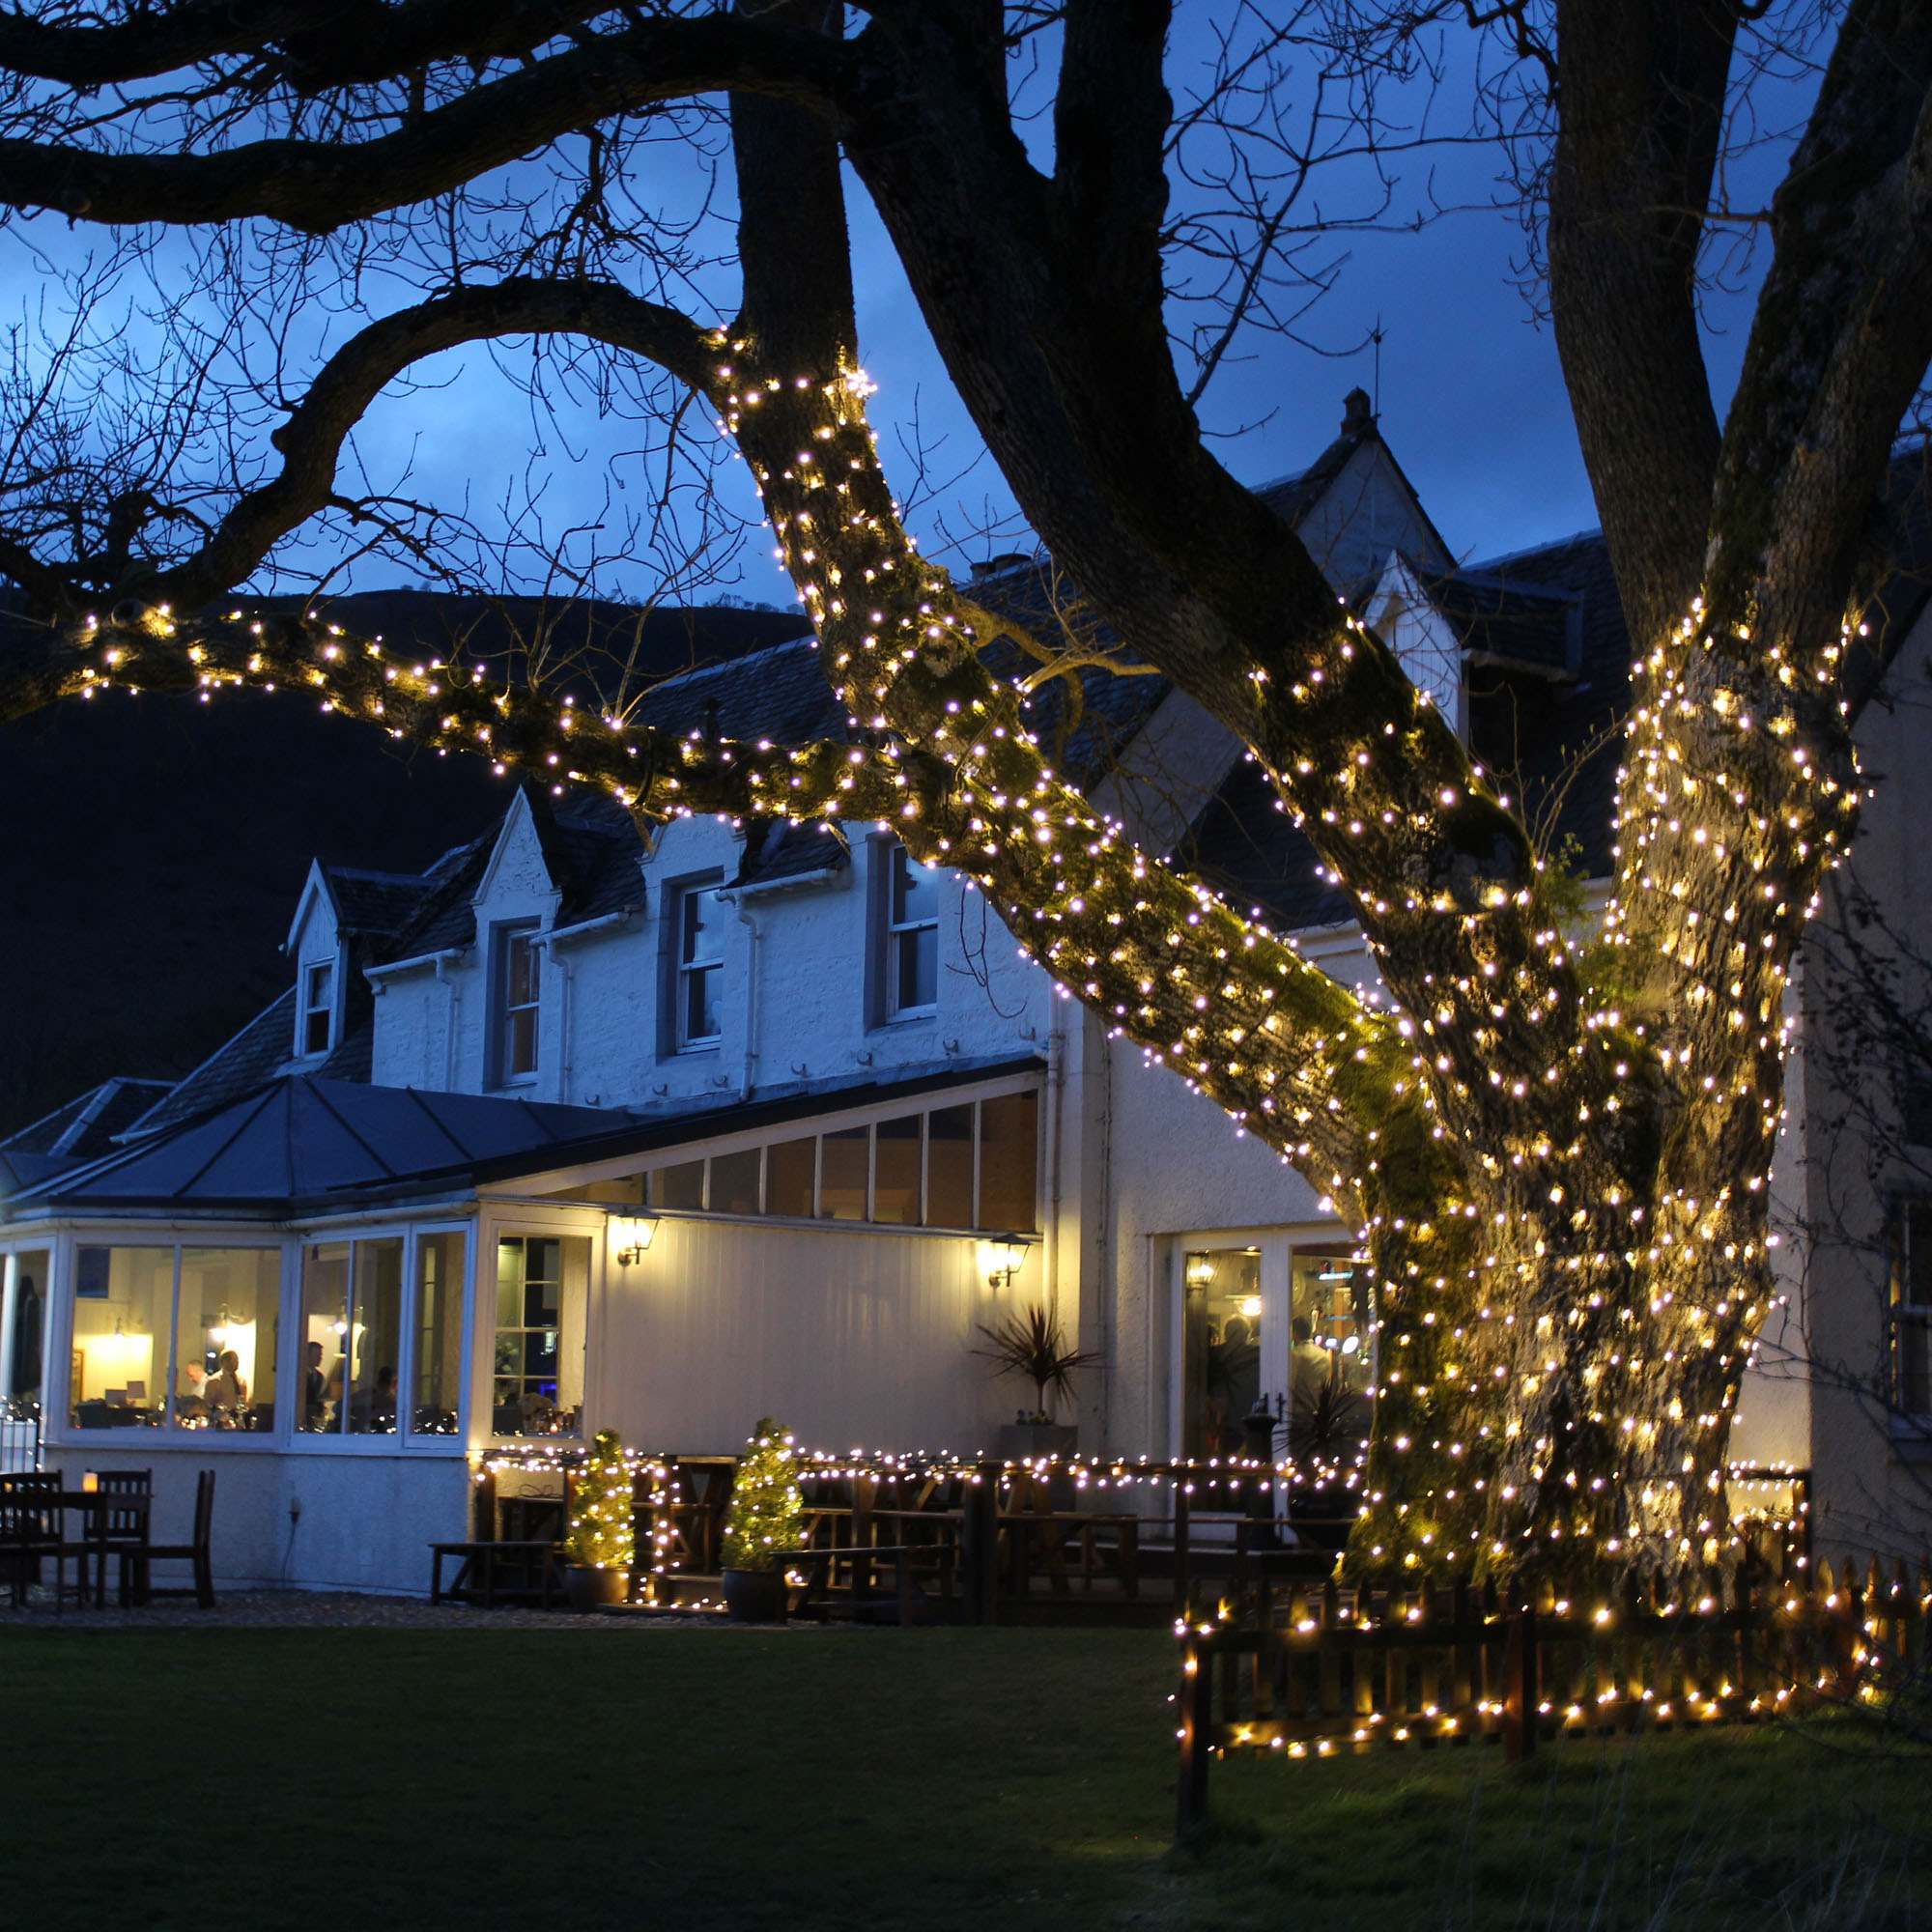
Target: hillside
[153,848]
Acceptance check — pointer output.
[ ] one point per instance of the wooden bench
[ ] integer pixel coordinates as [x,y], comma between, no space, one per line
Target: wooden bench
[532,1561]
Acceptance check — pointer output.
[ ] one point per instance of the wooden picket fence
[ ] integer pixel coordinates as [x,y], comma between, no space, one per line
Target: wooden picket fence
[1312,1672]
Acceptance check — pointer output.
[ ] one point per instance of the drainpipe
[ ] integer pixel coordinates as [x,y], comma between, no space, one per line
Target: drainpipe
[566,967]
[453,987]
[751,925]
[1056,1118]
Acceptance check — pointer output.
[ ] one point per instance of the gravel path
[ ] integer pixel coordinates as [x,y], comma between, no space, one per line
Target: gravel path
[317,1609]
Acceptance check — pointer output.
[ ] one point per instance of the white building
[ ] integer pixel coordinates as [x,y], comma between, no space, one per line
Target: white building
[566,1133]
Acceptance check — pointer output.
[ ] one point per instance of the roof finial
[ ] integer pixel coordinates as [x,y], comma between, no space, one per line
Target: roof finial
[1357,418]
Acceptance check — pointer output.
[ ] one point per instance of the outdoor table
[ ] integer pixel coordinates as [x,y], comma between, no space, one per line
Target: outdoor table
[94,1507]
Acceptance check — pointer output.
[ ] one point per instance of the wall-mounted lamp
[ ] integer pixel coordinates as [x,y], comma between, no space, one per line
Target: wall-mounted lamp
[1199,1272]
[632,1234]
[1001,1256]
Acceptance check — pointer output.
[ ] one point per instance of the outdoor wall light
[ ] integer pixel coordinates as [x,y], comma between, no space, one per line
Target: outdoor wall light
[632,1234]
[1001,1256]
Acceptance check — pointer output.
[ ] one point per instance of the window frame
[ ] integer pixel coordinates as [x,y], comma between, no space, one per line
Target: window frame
[483,1338]
[57,1420]
[684,896]
[1901,1310]
[505,938]
[404,1437]
[894,934]
[307,1009]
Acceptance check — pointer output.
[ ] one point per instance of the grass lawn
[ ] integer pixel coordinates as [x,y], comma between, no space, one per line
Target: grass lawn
[931,1780]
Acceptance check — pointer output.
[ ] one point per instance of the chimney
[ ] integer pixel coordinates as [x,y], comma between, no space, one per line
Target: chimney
[1357,418]
[998,564]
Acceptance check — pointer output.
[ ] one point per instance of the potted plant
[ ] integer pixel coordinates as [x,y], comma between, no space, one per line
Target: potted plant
[1032,1344]
[601,1542]
[762,1526]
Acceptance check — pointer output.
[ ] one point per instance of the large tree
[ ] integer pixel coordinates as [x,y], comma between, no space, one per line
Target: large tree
[1556,1155]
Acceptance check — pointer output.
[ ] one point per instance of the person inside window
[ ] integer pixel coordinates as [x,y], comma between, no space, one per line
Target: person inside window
[1309,1365]
[225,1390]
[373,1411]
[315,1387]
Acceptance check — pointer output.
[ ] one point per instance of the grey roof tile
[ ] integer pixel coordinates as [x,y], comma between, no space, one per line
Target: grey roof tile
[236,1067]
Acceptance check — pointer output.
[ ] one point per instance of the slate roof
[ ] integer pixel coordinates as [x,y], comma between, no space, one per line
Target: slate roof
[88,1123]
[781,694]
[304,1143]
[376,905]
[1548,680]
[236,1066]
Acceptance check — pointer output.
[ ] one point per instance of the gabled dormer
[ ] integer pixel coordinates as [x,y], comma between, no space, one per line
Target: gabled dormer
[318,948]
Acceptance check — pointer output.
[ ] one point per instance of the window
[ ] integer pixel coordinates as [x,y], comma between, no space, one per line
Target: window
[437,1374]
[735,1182]
[1008,1143]
[352,1322]
[542,1291]
[911,936]
[970,1165]
[843,1158]
[791,1177]
[519,998]
[318,1008]
[1911,1305]
[180,1337]
[948,1167]
[895,1171]
[1221,1370]
[700,961]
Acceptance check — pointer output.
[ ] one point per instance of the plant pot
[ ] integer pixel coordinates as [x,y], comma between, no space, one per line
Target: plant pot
[1028,1441]
[592,1588]
[755,1596]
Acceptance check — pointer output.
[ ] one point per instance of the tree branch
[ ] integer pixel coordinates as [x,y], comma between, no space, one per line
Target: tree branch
[317,187]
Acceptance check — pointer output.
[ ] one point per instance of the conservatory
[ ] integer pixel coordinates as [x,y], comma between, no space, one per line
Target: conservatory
[341,1297]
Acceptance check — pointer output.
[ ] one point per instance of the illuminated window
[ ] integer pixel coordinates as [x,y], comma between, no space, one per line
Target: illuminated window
[175,1336]
[543,1289]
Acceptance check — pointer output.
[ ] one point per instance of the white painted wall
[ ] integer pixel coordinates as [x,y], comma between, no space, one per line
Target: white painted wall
[601,1042]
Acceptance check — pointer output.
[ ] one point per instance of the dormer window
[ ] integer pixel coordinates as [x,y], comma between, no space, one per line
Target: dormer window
[700,961]
[519,993]
[317,1020]
[912,937]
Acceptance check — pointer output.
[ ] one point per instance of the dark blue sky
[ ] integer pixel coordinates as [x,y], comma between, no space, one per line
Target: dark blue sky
[1470,392]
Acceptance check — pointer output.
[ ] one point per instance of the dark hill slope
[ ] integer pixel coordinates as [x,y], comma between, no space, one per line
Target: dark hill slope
[152,850]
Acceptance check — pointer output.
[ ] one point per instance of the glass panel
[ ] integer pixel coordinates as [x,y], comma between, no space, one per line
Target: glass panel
[790,1173]
[948,1167]
[376,1337]
[229,1321]
[524,969]
[915,891]
[735,1182]
[538,1383]
[841,1177]
[1007,1155]
[324,1330]
[438,1374]
[680,1186]
[1914,1365]
[30,1315]
[700,1002]
[1221,1350]
[520,1052]
[917,967]
[316,1004]
[701,915]
[895,1175]
[1917,1273]
[122,1301]
[1328,1366]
